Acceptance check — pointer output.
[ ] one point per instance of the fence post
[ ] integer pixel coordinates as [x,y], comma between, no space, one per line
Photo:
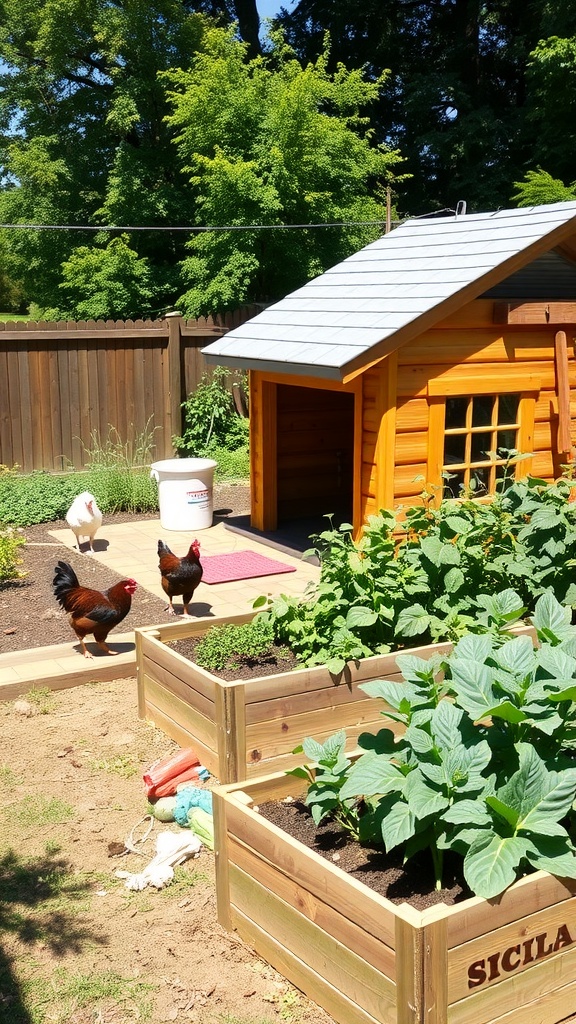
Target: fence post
[173,409]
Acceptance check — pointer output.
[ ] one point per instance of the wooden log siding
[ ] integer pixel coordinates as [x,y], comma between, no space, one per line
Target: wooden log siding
[464,346]
[61,383]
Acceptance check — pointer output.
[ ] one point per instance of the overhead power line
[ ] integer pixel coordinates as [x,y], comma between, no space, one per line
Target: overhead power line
[216,227]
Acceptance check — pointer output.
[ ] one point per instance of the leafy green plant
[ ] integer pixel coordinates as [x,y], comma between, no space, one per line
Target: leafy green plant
[222,646]
[438,573]
[326,780]
[11,541]
[486,773]
[210,418]
[118,471]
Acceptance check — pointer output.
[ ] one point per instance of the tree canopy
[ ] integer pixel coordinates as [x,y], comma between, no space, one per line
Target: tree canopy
[171,114]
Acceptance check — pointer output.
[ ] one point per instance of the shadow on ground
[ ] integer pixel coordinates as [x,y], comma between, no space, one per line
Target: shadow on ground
[28,887]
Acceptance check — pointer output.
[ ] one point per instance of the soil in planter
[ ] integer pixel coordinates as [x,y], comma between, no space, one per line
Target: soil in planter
[277,660]
[381,871]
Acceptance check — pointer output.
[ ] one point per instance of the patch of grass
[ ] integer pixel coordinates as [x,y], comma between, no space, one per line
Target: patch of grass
[120,764]
[40,810]
[42,698]
[101,993]
[8,777]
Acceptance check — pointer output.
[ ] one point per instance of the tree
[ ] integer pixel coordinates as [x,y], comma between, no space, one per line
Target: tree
[455,99]
[268,143]
[83,136]
[99,283]
[539,187]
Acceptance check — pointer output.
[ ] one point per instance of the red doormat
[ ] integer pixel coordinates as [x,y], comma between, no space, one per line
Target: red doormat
[240,565]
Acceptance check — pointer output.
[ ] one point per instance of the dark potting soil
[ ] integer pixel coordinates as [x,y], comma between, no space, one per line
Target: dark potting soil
[383,872]
[278,659]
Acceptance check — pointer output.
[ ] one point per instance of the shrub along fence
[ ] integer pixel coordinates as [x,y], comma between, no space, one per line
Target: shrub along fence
[62,383]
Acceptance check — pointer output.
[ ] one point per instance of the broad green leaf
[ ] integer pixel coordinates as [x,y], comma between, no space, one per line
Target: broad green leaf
[517,656]
[510,814]
[449,555]
[423,799]
[454,580]
[445,725]
[359,616]
[507,711]
[467,812]
[553,854]
[472,648]
[398,825]
[557,662]
[550,615]
[393,693]
[472,683]
[335,666]
[412,621]
[491,863]
[372,776]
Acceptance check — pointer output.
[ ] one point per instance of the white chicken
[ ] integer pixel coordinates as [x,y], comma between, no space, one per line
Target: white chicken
[84,518]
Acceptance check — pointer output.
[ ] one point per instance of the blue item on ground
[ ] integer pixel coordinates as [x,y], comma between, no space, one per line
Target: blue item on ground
[191,796]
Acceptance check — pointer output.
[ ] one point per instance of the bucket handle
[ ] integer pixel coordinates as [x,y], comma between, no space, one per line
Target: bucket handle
[154,475]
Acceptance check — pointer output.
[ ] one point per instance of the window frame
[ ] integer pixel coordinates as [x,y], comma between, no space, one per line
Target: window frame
[527,386]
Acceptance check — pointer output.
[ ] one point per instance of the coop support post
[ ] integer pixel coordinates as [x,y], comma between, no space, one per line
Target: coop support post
[563,391]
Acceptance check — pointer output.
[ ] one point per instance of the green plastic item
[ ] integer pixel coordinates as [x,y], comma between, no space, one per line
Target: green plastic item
[202,825]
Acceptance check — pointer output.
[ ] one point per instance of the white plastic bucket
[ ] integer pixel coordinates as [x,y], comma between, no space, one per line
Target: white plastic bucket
[184,492]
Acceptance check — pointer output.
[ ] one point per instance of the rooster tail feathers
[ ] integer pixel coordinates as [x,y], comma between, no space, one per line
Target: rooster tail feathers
[65,579]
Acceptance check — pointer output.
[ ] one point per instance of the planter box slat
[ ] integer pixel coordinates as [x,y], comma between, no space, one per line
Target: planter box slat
[333,1000]
[159,678]
[517,995]
[333,960]
[370,949]
[430,976]
[477,915]
[178,732]
[171,706]
[543,923]
[157,656]
[329,696]
[281,735]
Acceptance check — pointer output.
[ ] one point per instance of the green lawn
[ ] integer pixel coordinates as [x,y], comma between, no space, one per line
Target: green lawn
[13,316]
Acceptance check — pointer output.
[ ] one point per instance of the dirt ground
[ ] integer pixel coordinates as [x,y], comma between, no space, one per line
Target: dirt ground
[29,613]
[76,946]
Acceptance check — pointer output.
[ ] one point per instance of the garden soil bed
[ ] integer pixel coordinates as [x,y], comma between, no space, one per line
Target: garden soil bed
[371,865]
[279,659]
[70,785]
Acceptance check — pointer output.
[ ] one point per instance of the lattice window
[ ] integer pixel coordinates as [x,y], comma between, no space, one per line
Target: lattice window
[475,426]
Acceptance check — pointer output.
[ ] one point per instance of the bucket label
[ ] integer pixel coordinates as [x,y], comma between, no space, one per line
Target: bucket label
[200,499]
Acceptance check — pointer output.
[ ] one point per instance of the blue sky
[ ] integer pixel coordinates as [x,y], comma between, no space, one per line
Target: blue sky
[268,8]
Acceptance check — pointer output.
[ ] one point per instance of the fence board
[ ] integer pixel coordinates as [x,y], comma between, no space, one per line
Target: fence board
[60,383]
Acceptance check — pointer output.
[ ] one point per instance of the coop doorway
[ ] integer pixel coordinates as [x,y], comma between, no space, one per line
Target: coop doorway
[314,456]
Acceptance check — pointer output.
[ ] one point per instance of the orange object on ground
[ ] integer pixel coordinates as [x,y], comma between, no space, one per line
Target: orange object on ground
[170,768]
[170,786]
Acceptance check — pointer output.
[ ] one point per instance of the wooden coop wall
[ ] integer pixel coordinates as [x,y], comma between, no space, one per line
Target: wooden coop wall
[467,351]
[315,452]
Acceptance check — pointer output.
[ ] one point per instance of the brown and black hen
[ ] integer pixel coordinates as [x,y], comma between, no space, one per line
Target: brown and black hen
[179,575]
[92,611]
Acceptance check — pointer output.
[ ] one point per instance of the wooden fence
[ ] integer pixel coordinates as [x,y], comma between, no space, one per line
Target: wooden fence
[62,384]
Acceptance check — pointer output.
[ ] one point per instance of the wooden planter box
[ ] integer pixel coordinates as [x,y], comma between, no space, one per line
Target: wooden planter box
[244,728]
[367,961]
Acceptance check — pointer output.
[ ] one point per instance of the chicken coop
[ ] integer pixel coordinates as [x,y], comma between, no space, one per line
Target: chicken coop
[414,364]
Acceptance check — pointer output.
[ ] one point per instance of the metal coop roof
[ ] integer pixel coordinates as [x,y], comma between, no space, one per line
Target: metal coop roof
[392,290]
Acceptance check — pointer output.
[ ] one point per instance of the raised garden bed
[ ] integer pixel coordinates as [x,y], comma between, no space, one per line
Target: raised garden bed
[241,728]
[369,961]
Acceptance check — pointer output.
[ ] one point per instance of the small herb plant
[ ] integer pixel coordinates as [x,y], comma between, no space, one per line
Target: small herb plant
[222,647]
[487,773]
[210,418]
[10,543]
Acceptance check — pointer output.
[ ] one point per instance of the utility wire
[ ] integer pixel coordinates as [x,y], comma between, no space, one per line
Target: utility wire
[218,227]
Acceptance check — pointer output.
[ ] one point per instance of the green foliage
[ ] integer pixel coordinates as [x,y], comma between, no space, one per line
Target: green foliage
[231,465]
[100,283]
[210,417]
[540,187]
[320,167]
[436,575]
[118,475]
[484,774]
[331,766]
[10,542]
[222,646]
